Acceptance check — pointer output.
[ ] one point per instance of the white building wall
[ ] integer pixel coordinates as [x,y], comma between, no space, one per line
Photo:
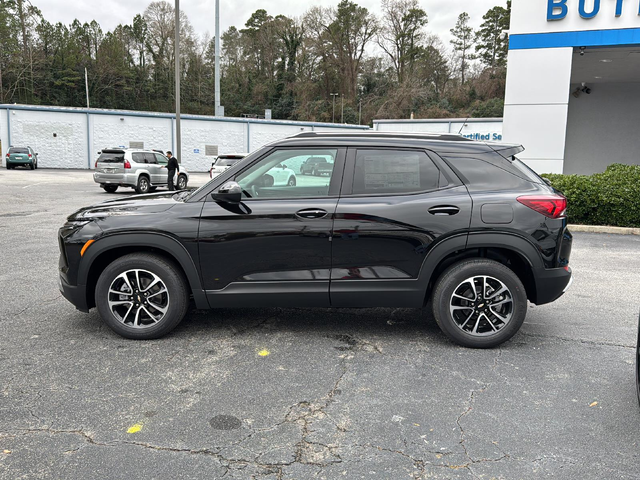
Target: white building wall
[482,130]
[67,149]
[229,137]
[79,137]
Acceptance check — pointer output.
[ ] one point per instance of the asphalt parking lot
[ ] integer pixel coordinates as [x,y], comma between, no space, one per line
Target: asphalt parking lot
[301,394]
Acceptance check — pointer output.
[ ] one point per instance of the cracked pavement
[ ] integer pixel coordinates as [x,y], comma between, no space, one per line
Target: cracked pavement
[375,393]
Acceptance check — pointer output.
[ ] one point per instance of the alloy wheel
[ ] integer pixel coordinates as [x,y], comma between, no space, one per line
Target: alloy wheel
[138,298]
[481,306]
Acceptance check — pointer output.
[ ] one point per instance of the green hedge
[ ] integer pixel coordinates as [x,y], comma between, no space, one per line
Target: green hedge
[609,198]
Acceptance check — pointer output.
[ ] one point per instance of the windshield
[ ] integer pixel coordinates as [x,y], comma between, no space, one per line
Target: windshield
[111,157]
[18,150]
[226,162]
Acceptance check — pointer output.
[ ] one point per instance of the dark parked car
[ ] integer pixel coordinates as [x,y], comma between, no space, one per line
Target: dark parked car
[402,219]
[21,156]
[316,166]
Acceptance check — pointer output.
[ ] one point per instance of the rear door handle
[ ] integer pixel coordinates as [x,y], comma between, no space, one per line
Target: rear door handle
[444,210]
[312,213]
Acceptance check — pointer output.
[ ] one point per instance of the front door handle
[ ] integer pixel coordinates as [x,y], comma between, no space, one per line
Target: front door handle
[444,210]
[312,213]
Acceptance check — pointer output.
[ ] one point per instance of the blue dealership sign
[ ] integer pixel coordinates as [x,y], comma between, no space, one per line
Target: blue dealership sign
[558,9]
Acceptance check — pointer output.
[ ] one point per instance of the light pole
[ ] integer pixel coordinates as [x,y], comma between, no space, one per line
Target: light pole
[178,152]
[334,95]
[217,62]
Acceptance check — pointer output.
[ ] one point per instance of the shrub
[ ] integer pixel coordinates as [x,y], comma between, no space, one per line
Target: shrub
[609,198]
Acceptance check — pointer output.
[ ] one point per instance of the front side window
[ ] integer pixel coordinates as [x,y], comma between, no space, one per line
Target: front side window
[275,175]
[394,172]
[161,159]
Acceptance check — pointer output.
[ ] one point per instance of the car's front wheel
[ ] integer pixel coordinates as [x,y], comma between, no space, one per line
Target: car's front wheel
[292,182]
[143,185]
[142,296]
[182,182]
[479,303]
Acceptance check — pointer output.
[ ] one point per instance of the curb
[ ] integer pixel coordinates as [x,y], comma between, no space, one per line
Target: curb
[610,230]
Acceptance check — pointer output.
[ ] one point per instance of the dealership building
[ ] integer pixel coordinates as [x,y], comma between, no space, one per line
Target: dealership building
[573,87]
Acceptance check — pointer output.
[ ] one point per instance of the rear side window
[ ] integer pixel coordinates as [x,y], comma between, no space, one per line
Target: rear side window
[111,157]
[394,172]
[484,176]
[526,171]
[138,157]
[18,150]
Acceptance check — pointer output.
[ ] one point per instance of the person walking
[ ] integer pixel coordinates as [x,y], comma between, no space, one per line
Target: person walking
[172,167]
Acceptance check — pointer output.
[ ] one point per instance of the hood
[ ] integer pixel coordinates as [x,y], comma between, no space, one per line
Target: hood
[130,206]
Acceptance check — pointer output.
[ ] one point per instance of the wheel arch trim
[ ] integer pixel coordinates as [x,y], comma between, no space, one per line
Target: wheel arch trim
[159,241]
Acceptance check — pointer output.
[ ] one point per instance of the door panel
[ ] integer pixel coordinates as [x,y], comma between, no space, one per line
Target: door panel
[380,241]
[246,248]
[274,248]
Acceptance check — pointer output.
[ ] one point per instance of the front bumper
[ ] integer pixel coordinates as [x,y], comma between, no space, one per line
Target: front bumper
[551,284]
[76,295]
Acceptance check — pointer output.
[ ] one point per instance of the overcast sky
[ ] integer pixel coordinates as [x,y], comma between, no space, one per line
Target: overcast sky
[109,13]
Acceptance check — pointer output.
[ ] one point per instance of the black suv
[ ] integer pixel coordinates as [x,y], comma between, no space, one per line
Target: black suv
[401,220]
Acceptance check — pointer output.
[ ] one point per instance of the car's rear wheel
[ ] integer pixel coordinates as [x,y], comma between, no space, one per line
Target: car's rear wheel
[142,296]
[143,185]
[479,303]
[32,166]
[292,182]
[110,188]
[9,167]
[182,182]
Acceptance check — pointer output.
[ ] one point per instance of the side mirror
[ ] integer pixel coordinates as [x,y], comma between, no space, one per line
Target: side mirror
[284,166]
[230,192]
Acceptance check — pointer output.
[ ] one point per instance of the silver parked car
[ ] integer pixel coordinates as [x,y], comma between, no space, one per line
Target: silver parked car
[143,170]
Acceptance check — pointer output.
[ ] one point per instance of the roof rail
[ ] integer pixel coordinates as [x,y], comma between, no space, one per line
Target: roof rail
[447,137]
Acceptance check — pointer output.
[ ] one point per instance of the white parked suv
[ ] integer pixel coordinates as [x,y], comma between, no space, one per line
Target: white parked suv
[224,162]
[143,170]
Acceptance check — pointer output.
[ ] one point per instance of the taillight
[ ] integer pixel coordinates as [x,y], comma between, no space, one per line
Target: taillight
[29,155]
[127,164]
[552,206]
[96,165]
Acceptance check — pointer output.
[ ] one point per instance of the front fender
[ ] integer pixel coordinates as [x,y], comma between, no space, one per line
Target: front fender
[160,241]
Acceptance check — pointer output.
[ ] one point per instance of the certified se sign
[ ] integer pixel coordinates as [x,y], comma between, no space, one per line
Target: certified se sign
[558,9]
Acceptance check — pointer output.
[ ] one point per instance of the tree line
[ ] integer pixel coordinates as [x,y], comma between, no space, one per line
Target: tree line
[387,66]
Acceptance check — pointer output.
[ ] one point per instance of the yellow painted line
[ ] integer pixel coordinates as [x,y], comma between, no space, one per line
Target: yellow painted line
[264,353]
[135,428]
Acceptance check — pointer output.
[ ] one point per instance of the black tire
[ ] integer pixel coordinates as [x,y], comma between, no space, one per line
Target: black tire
[32,166]
[143,185]
[291,182]
[181,184]
[110,188]
[456,279]
[9,167]
[167,272]
[36,164]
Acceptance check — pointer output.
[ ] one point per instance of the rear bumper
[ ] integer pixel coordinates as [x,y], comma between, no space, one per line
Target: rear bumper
[11,161]
[122,179]
[551,284]
[76,295]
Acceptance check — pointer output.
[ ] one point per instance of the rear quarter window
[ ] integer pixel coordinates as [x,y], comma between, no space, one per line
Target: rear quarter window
[480,175]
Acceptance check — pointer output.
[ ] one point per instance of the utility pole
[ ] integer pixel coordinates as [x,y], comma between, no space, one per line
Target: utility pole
[342,115]
[334,95]
[178,152]
[360,113]
[86,85]
[217,61]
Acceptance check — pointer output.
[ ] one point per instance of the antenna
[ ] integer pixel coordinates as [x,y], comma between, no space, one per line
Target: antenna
[463,125]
